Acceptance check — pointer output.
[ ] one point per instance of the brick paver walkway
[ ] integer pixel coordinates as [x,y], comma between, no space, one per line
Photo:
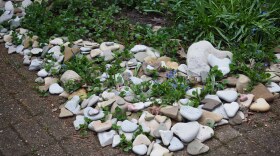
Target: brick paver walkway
[29,124]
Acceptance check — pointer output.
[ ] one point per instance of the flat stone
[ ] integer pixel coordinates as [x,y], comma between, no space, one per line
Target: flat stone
[128,126]
[80,120]
[161,127]
[106,138]
[141,139]
[260,105]
[140,149]
[65,113]
[249,100]
[196,148]
[236,120]
[98,126]
[140,56]
[260,91]
[175,145]
[231,109]
[186,131]
[116,140]
[98,116]
[170,111]
[213,97]
[210,104]
[209,115]
[228,95]
[190,113]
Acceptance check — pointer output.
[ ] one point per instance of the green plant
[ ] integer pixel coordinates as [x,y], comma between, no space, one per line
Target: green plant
[15,39]
[70,86]
[119,114]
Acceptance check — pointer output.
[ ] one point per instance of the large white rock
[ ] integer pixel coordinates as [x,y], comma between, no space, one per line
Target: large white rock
[36,51]
[221,110]
[92,116]
[70,75]
[139,48]
[55,89]
[140,149]
[190,113]
[227,95]
[106,138]
[223,64]
[73,104]
[231,109]
[186,131]
[198,54]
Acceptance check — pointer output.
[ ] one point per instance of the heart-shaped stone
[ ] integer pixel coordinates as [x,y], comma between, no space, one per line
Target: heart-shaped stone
[260,105]
[175,145]
[190,113]
[228,95]
[231,109]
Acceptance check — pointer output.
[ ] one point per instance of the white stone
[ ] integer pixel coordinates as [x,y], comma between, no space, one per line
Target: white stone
[213,97]
[175,145]
[42,73]
[12,49]
[19,48]
[221,110]
[98,116]
[26,3]
[190,113]
[139,106]
[231,109]
[184,101]
[183,68]
[223,64]
[136,80]
[9,6]
[56,41]
[84,49]
[273,87]
[70,75]
[35,64]
[93,100]
[106,138]
[166,136]
[139,48]
[116,140]
[128,126]
[54,49]
[222,122]
[36,50]
[141,139]
[80,120]
[158,150]
[108,95]
[228,95]
[55,89]
[186,131]
[205,133]
[140,149]
[26,52]
[72,104]
[197,57]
